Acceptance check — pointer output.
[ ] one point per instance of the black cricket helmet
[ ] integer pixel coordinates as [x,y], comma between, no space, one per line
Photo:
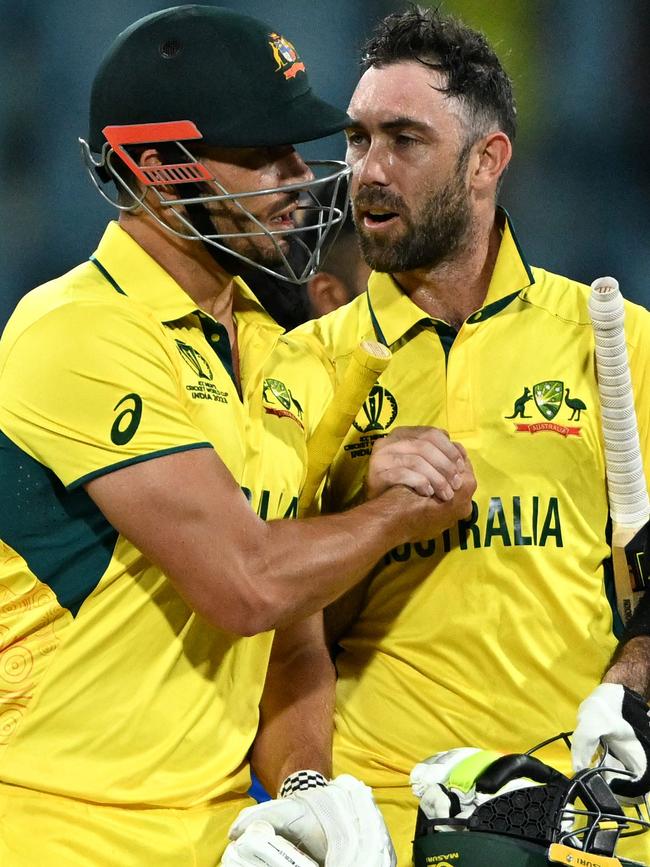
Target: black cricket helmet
[576,821]
[208,76]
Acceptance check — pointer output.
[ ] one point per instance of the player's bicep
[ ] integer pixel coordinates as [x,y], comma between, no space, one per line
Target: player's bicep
[186,513]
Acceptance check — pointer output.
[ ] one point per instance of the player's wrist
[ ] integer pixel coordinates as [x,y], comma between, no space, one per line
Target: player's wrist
[302,781]
[385,517]
[631,666]
[400,510]
[415,517]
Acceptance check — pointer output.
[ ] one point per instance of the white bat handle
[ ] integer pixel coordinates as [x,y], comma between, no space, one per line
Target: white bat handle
[628,493]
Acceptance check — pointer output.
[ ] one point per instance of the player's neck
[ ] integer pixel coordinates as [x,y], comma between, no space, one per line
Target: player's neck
[188,263]
[453,290]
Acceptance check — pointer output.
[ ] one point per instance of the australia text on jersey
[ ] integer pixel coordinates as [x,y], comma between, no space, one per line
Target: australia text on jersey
[521,521]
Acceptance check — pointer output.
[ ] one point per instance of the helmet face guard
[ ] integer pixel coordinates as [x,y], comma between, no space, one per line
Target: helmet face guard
[573,821]
[187,173]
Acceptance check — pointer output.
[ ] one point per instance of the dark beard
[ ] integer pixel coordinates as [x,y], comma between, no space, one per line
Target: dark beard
[206,222]
[439,233]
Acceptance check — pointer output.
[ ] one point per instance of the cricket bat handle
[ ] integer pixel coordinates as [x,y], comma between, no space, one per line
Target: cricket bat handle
[626,484]
[368,361]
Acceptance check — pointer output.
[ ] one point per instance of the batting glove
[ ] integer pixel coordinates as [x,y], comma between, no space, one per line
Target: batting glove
[456,782]
[617,717]
[260,846]
[336,823]
[445,783]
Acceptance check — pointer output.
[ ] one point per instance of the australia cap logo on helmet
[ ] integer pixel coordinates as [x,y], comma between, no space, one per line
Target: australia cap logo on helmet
[285,56]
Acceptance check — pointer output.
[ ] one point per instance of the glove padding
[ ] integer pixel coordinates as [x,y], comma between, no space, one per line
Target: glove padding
[443,793]
[338,825]
[260,846]
[449,784]
[618,717]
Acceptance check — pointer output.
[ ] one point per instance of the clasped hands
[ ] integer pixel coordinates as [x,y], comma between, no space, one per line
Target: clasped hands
[421,458]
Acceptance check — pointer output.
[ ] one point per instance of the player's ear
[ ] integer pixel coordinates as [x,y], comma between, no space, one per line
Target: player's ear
[149,158]
[326,292]
[490,157]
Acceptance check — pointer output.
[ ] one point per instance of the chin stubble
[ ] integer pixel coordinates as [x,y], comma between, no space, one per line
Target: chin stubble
[438,234]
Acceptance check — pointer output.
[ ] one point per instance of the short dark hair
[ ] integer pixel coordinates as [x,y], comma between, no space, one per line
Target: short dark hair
[474,73]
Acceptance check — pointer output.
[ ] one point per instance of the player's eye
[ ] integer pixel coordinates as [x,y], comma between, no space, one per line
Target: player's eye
[355,139]
[404,140]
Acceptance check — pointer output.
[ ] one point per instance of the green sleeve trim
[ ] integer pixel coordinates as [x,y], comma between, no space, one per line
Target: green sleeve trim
[137,460]
[464,774]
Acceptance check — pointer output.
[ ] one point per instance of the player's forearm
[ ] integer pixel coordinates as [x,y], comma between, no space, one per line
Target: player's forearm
[318,559]
[186,513]
[630,664]
[288,570]
[296,715]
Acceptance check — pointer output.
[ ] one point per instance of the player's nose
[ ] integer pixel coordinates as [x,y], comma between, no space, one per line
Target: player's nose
[372,168]
[294,169]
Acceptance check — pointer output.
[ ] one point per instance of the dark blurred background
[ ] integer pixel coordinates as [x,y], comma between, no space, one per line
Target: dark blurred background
[578,188]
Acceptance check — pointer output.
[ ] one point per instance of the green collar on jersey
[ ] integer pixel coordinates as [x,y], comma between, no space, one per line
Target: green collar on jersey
[131,271]
[399,314]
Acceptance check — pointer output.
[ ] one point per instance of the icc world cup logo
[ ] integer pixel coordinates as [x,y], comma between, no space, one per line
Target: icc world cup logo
[193,358]
[378,412]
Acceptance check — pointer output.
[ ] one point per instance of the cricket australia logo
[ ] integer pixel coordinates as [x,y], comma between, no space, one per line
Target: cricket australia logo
[275,392]
[285,56]
[195,360]
[548,398]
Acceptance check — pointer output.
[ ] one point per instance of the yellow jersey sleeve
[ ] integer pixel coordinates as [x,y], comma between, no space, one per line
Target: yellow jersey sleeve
[109,393]
[307,364]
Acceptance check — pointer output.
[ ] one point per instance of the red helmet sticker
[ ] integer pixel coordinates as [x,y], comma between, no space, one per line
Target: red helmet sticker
[157,133]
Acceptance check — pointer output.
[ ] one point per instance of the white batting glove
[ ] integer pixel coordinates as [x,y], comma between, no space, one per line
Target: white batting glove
[336,824]
[448,784]
[452,784]
[618,717]
[260,846]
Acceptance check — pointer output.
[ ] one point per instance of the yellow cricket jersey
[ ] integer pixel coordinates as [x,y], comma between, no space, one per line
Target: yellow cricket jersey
[111,689]
[492,634]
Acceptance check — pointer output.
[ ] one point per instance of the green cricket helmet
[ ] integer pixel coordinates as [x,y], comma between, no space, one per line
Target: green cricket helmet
[208,76]
[459,849]
[575,821]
